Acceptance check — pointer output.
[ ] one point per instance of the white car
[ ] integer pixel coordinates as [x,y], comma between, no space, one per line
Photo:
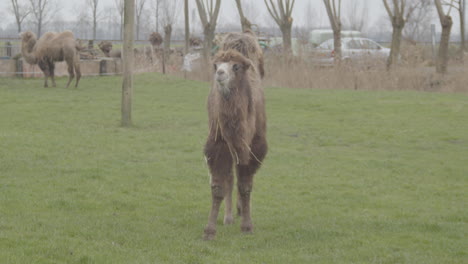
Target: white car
[353,50]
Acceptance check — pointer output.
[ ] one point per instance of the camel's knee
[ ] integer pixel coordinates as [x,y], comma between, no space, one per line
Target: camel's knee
[217,192]
[244,189]
[259,149]
[218,158]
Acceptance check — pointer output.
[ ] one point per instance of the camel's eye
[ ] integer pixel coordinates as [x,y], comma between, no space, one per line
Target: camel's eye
[235,67]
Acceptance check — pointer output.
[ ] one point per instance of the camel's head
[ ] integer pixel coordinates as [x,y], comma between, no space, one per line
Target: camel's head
[105,46]
[229,66]
[27,36]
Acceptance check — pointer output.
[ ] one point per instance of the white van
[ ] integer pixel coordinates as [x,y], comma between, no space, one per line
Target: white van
[318,36]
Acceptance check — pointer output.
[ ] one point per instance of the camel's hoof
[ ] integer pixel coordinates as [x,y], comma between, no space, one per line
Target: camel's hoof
[228,220]
[209,234]
[247,229]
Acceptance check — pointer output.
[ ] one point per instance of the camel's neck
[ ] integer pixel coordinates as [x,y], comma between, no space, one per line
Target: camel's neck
[27,51]
[238,99]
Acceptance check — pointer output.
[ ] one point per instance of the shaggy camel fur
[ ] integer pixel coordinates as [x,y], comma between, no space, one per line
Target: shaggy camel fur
[247,44]
[237,136]
[106,48]
[52,47]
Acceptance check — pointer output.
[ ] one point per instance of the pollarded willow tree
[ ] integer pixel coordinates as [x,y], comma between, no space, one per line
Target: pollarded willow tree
[334,14]
[245,23]
[281,13]
[208,11]
[399,12]
[446,23]
[459,5]
[93,8]
[139,8]
[170,12]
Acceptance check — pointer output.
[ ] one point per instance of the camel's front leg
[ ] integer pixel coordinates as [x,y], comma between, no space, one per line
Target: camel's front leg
[219,161]
[244,185]
[228,219]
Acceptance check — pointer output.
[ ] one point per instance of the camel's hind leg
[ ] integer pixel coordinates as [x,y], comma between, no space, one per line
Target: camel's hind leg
[44,66]
[71,71]
[52,72]
[219,161]
[245,174]
[77,70]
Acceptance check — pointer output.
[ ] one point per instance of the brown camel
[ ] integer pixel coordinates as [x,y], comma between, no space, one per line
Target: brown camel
[237,136]
[106,48]
[52,47]
[247,44]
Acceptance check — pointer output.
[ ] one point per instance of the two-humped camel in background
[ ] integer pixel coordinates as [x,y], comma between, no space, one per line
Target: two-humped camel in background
[52,47]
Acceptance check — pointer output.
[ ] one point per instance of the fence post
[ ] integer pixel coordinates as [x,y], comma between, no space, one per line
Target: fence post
[8,49]
[19,67]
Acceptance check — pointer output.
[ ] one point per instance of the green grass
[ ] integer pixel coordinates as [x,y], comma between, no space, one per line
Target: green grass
[350,177]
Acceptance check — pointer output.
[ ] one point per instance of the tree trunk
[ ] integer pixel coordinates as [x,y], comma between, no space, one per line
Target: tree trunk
[187,26]
[208,42]
[138,29]
[94,27]
[462,32]
[398,25]
[127,83]
[167,38]
[442,59]
[245,23]
[39,27]
[287,36]
[337,44]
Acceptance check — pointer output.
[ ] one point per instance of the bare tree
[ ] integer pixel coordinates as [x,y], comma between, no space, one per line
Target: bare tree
[208,11]
[357,15]
[399,12]
[170,11]
[446,23]
[156,6]
[41,10]
[140,5]
[127,82]
[333,8]
[245,23]
[281,14]
[459,5]
[20,12]
[119,5]
[93,6]
[417,26]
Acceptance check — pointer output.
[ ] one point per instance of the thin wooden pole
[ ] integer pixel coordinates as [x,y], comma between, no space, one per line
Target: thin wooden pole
[127,83]
[187,32]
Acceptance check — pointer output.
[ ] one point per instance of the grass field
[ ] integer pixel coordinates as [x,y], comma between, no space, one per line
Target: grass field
[351,176]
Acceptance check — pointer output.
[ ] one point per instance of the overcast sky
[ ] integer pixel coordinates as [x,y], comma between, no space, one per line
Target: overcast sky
[255,10]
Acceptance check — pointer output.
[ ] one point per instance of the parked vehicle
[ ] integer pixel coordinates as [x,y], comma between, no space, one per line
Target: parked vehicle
[353,50]
[318,36]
